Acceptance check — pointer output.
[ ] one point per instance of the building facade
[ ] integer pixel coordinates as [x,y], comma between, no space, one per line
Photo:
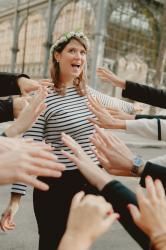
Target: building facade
[118,30]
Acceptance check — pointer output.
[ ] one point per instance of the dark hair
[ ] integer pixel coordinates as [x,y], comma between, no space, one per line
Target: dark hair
[79,82]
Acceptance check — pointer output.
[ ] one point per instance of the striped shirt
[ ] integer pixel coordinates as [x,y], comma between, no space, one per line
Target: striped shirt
[69,114]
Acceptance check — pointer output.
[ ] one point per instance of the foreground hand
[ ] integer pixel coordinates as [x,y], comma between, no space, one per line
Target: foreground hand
[112,153]
[28,115]
[26,160]
[95,175]
[28,85]
[104,118]
[150,216]
[83,209]
[108,76]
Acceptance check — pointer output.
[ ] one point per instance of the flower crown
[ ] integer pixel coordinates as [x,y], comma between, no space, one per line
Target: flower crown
[65,37]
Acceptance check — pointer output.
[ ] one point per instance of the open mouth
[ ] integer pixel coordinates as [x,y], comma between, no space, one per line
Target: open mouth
[76,66]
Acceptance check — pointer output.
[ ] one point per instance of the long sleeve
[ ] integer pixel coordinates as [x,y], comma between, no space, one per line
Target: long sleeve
[145,94]
[147,128]
[142,116]
[37,133]
[113,102]
[160,160]
[6,110]
[8,83]
[155,171]
[120,196]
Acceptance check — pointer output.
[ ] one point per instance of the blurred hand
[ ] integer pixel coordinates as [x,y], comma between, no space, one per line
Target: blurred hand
[28,85]
[27,159]
[109,77]
[85,209]
[19,103]
[150,216]
[28,115]
[104,118]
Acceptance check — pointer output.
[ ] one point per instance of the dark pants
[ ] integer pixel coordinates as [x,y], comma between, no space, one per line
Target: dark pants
[52,207]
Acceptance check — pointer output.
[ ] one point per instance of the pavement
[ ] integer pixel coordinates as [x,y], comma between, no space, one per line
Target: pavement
[25,236]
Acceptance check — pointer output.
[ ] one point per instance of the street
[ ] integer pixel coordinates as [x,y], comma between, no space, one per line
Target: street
[25,236]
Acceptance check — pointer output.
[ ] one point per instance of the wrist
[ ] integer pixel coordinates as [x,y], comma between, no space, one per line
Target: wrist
[137,167]
[121,124]
[72,241]
[15,198]
[12,131]
[122,84]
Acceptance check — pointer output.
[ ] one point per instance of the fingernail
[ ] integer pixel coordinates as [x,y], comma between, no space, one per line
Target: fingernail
[129,206]
[118,217]
[148,177]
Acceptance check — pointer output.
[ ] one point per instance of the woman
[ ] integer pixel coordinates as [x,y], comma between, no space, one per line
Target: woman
[67,112]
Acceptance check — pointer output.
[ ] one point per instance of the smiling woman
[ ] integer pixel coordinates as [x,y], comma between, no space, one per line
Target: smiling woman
[66,111]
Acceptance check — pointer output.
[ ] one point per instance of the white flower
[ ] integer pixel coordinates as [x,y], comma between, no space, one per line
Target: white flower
[66,37]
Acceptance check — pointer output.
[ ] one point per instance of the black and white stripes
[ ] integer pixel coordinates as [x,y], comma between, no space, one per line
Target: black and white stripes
[69,114]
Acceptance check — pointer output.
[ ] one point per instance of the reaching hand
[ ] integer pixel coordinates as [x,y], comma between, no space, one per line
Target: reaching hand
[95,175]
[104,118]
[108,76]
[25,160]
[83,209]
[150,216]
[28,85]
[120,115]
[28,115]
[112,153]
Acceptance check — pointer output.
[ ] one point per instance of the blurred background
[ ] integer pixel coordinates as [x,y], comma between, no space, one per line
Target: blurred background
[127,36]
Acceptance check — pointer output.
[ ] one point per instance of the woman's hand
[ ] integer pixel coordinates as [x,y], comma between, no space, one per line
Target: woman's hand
[104,118]
[109,77]
[79,231]
[150,216]
[95,175]
[7,217]
[28,115]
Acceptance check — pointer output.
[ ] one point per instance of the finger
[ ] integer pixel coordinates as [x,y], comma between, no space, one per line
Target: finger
[71,157]
[110,219]
[47,84]
[135,213]
[77,199]
[43,155]
[72,144]
[102,159]
[160,192]
[150,188]
[41,171]
[95,121]
[142,200]
[32,181]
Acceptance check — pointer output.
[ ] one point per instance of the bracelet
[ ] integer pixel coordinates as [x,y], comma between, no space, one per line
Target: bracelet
[158,242]
[3,134]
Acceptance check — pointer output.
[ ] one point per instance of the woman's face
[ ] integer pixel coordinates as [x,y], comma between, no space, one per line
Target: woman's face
[71,60]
